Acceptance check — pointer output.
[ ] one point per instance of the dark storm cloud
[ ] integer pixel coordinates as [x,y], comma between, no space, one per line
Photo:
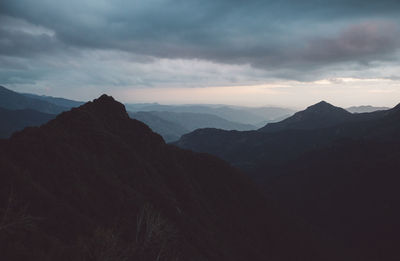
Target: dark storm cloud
[21,39]
[357,42]
[24,44]
[293,36]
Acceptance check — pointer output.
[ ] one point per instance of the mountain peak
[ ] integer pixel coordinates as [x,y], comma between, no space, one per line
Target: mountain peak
[325,108]
[321,105]
[104,98]
[322,109]
[319,115]
[106,101]
[106,106]
[101,119]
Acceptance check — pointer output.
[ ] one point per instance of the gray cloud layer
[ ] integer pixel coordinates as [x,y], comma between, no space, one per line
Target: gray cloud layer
[287,39]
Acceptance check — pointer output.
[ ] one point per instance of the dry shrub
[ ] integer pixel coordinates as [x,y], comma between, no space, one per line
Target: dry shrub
[156,239]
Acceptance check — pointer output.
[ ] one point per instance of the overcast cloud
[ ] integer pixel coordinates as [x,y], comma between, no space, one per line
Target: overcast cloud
[79,48]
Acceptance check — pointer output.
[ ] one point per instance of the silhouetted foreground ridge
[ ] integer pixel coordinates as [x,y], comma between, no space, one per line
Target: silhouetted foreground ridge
[93,184]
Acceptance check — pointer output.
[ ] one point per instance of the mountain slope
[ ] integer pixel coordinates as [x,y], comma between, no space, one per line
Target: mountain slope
[15,120]
[94,184]
[15,101]
[172,125]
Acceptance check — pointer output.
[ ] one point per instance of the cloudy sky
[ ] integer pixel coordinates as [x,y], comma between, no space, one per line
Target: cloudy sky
[245,52]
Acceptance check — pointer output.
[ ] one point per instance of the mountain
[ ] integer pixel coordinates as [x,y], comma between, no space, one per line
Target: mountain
[55,100]
[172,125]
[244,115]
[276,142]
[317,126]
[192,121]
[15,101]
[365,108]
[319,115]
[169,130]
[341,179]
[93,184]
[254,151]
[15,120]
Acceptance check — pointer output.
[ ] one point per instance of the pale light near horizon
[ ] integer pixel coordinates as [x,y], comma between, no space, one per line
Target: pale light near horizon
[346,92]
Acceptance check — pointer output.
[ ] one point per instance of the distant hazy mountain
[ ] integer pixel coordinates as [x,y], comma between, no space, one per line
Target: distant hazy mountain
[170,131]
[245,115]
[15,120]
[192,121]
[365,108]
[94,184]
[172,125]
[15,101]
[18,110]
[55,100]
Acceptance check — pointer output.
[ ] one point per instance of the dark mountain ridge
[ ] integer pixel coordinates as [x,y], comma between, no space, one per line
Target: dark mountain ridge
[94,184]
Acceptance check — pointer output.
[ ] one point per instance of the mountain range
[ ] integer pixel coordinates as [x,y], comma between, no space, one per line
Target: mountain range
[172,125]
[93,184]
[15,101]
[317,126]
[169,121]
[65,103]
[18,110]
[365,108]
[257,116]
[328,167]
